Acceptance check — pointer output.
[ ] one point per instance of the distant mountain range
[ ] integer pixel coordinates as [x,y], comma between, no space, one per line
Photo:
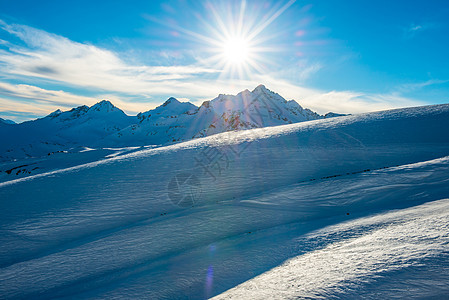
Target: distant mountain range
[104,125]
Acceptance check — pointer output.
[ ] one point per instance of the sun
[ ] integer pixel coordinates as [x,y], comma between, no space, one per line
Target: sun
[233,40]
[236,50]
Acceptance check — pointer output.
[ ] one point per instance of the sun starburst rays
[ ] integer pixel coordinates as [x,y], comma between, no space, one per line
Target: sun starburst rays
[234,39]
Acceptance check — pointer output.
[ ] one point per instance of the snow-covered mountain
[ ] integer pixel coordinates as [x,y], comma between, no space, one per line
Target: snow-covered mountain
[331,208]
[174,121]
[104,125]
[166,123]
[80,126]
[256,109]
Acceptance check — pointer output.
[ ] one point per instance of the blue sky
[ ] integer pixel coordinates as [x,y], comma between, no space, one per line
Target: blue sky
[343,56]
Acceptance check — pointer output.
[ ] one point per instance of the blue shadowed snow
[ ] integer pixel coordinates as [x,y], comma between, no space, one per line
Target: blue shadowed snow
[124,227]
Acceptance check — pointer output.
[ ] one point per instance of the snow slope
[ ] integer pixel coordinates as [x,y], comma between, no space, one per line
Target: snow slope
[10,170]
[396,255]
[125,227]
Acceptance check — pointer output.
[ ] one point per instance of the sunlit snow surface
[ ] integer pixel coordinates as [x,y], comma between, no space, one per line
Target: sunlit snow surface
[401,254]
[331,208]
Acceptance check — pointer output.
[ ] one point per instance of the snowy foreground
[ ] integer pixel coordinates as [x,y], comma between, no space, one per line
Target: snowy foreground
[335,208]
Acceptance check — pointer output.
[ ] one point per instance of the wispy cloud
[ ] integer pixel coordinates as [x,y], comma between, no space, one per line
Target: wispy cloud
[22,111]
[22,102]
[26,92]
[413,29]
[33,101]
[340,101]
[411,87]
[53,59]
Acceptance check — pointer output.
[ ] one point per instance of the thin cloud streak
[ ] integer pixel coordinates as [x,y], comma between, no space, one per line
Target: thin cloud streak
[52,58]
[410,87]
[23,111]
[412,30]
[34,94]
[348,102]
[40,102]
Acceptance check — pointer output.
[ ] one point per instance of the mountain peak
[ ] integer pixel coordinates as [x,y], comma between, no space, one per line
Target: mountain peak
[103,106]
[260,88]
[170,101]
[105,102]
[55,113]
[169,109]
[245,92]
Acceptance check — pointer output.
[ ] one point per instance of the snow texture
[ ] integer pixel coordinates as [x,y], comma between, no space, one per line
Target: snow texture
[330,208]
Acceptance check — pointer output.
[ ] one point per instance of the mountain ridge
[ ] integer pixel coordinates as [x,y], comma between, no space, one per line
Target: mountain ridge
[6,121]
[105,125]
[176,121]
